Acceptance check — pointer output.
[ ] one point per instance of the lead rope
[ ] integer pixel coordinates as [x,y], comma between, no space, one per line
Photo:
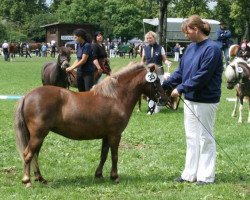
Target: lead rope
[230,159]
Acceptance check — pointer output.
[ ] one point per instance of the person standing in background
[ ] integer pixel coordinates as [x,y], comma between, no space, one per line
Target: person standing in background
[176,52]
[5,47]
[223,38]
[100,57]
[154,53]
[84,62]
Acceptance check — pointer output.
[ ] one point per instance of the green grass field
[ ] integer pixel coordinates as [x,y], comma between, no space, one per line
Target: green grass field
[151,153]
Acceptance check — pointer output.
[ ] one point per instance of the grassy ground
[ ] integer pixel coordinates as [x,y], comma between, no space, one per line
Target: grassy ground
[151,152]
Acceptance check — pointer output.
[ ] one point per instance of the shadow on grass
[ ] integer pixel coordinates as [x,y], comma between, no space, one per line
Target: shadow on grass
[89,181]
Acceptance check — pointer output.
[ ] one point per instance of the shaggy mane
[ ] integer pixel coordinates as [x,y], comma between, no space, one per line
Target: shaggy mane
[108,87]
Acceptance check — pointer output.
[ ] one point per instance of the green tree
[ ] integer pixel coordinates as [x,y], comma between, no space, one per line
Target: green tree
[3,33]
[239,14]
[185,8]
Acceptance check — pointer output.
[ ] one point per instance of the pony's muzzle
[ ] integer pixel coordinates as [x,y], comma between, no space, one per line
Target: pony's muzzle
[162,101]
[230,86]
[65,65]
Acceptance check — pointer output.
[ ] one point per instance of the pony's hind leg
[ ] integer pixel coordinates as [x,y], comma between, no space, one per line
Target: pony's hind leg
[37,173]
[28,155]
[104,154]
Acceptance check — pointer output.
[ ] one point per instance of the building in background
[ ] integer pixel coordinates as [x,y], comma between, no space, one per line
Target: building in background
[63,32]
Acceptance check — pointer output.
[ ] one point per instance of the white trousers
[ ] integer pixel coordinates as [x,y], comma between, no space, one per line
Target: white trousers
[200,145]
[176,56]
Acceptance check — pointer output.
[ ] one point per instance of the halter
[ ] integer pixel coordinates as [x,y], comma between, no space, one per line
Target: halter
[238,74]
[151,78]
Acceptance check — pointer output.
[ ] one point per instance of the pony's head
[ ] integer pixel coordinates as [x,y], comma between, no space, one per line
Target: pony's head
[64,57]
[234,73]
[153,88]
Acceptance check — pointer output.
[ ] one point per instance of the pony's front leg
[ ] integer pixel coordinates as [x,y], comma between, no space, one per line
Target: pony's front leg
[114,156]
[104,155]
[240,110]
[235,107]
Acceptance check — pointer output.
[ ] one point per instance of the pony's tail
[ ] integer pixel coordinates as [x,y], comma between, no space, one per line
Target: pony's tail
[22,132]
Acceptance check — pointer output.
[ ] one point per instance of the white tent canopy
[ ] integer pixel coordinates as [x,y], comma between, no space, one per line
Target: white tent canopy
[174,33]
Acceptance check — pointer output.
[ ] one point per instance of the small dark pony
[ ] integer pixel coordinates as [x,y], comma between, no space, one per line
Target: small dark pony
[101,113]
[53,73]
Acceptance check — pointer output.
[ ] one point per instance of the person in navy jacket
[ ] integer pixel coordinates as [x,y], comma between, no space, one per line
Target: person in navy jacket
[223,38]
[84,62]
[154,53]
[198,77]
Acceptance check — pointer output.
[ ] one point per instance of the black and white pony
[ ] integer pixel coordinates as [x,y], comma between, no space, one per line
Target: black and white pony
[238,74]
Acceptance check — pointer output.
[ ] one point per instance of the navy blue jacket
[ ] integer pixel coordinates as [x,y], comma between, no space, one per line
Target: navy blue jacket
[223,36]
[199,74]
[157,57]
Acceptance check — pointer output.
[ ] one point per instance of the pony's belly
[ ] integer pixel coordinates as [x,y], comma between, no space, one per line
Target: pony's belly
[83,135]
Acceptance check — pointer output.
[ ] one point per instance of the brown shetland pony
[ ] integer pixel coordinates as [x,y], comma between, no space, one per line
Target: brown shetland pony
[54,73]
[102,113]
[12,51]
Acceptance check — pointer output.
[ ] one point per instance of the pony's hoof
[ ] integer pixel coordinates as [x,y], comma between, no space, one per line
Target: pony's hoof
[100,177]
[41,180]
[28,185]
[115,179]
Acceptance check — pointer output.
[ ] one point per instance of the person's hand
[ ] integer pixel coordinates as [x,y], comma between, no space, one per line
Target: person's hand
[69,69]
[99,70]
[168,63]
[175,93]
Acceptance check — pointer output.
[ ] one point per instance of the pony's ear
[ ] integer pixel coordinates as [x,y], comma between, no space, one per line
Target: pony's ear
[152,68]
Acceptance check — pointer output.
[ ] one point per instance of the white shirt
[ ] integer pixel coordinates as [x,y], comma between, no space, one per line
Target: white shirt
[5,45]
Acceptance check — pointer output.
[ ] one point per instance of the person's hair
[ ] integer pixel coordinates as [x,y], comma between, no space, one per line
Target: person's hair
[82,33]
[150,33]
[96,34]
[196,21]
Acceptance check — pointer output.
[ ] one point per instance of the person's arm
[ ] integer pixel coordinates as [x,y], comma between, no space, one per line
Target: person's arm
[143,59]
[206,70]
[78,63]
[164,57]
[96,53]
[227,34]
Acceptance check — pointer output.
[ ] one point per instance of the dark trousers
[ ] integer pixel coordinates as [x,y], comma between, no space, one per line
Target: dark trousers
[85,81]
[6,54]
